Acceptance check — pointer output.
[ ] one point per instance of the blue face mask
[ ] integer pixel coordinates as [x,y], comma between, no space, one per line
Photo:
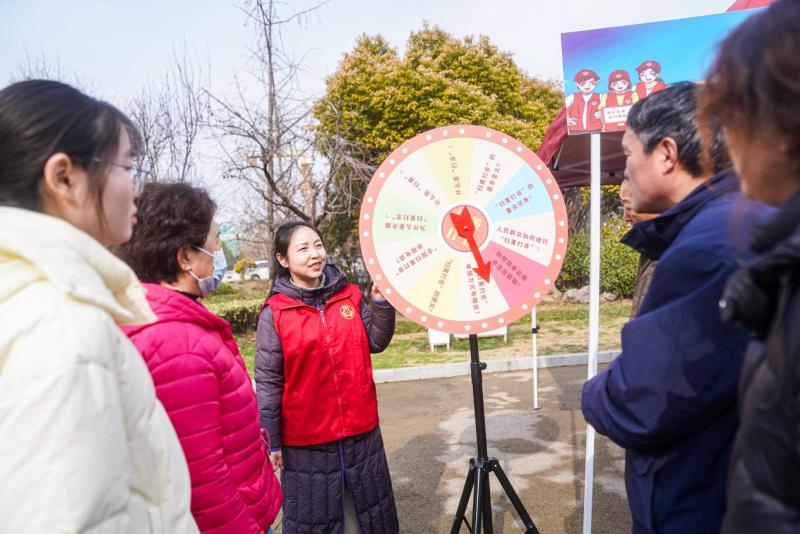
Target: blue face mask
[211,283]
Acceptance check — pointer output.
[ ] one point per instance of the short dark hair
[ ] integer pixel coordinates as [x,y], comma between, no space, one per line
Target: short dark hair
[672,112]
[171,215]
[280,245]
[39,118]
[755,81]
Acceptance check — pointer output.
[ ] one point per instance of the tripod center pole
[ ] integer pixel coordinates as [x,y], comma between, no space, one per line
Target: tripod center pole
[476,368]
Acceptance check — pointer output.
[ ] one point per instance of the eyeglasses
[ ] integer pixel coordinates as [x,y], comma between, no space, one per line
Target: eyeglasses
[140,174]
[137,172]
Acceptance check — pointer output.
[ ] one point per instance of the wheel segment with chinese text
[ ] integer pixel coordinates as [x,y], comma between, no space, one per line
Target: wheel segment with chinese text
[463,229]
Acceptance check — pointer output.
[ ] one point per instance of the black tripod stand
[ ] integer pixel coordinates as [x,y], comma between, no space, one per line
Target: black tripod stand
[479,468]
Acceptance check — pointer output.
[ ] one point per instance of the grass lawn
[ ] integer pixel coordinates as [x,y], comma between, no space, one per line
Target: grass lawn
[563,328]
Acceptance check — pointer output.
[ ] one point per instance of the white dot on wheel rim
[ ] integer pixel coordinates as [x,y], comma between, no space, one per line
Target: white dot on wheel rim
[547,281]
[366,216]
[539,167]
[548,181]
[405,150]
[378,277]
[561,223]
[392,161]
[484,325]
[488,134]
[461,131]
[424,318]
[440,324]
[366,234]
[408,310]
[388,291]
[372,261]
[519,149]
[381,175]
[467,327]
[537,295]
[525,307]
[555,197]
[501,320]
[558,256]
[369,200]
[428,137]
[504,140]
[445,133]
[560,239]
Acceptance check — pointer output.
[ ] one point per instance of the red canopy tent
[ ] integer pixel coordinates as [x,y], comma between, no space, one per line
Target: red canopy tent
[749,4]
[568,156]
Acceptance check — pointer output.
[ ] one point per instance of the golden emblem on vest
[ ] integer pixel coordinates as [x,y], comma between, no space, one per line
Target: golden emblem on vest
[347,311]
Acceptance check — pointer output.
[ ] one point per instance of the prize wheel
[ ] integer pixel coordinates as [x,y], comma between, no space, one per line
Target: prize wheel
[463,229]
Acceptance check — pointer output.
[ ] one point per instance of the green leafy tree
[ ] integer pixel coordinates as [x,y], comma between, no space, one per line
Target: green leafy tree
[618,262]
[243,264]
[377,99]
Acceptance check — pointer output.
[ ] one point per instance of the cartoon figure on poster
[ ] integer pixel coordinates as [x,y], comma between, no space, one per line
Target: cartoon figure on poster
[615,104]
[649,79]
[583,113]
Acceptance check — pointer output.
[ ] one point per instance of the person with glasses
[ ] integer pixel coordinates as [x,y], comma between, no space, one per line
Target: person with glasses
[196,366]
[85,445]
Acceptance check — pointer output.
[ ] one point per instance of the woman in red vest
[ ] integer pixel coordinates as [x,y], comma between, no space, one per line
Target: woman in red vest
[619,95]
[316,393]
[649,74]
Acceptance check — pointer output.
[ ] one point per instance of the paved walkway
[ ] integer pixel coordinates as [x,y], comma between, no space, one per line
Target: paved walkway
[428,428]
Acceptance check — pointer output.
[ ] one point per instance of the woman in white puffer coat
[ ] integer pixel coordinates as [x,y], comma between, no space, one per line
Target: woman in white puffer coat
[85,446]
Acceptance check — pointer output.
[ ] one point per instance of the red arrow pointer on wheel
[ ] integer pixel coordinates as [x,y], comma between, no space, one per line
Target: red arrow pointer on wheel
[466,229]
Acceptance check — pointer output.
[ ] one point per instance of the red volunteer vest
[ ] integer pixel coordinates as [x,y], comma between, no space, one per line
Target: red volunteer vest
[613,101]
[641,90]
[328,390]
[575,111]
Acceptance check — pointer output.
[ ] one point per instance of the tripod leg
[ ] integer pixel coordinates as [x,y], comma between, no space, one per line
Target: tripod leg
[477,501]
[514,498]
[462,503]
[487,505]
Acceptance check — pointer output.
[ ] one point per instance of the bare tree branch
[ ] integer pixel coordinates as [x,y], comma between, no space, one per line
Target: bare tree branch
[46,67]
[270,143]
[171,115]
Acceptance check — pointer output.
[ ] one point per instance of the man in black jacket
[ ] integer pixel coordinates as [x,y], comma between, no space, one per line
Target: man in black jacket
[754,90]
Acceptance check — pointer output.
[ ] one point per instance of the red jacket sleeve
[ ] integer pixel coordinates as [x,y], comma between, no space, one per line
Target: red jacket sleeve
[188,387]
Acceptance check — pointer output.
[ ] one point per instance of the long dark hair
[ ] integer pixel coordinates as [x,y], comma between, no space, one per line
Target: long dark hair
[170,216]
[39,118]
[280,245]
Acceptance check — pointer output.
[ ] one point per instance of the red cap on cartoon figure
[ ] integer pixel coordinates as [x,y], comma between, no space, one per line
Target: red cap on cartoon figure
[586,74]
[655,65]
[618,75]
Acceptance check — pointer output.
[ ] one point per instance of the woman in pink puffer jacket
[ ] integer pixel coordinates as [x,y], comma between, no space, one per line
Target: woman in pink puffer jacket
[199,375]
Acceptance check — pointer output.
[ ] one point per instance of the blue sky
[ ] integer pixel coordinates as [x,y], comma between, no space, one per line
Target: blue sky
[116,47]
[119,45]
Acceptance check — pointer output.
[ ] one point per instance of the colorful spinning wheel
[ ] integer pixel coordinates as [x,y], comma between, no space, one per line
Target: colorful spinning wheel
[463,229]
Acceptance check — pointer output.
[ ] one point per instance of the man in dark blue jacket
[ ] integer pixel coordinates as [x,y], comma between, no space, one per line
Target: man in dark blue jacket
[670,398]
